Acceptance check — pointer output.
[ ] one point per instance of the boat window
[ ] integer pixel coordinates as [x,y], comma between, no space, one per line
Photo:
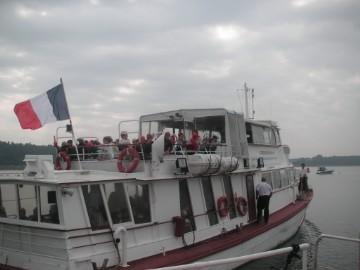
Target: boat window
[249,133]
[140,203]
[272,136]
[284,178]
[291,176]
[28,209]
[267,176]
[276,179]
[258,134]
[211,126]
[209,200]
[48,205]
[230,195]
[262,135]
[8,207]
[185,206]
[277,136]
[117,202]
[267,135]
[95,207]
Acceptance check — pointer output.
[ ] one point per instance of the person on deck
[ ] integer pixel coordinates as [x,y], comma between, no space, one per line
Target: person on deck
[194,143]
[180,144]
[124,141]
[168,145]
[303,184]
[71,150]
[147,146]
[213,144]
[263,195]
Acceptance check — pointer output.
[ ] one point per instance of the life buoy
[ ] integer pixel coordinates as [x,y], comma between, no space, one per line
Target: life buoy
[241,206]
[223,206]
[62,156]
[134,157]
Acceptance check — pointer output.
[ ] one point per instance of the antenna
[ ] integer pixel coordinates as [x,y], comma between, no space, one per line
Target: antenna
[246,96]
[252,101]
[246,90]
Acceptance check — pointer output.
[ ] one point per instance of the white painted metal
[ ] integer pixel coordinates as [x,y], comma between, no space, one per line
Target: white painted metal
[120,236]
[329,236]
[238,260]
[74,245]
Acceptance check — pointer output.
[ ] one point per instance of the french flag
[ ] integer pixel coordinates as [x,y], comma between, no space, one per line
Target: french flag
[45,108]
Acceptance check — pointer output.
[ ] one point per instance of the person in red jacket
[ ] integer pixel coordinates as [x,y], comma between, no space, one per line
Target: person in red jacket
[194,142]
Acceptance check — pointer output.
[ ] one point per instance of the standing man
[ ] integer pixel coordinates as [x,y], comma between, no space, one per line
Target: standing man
[303,185]
[263,194]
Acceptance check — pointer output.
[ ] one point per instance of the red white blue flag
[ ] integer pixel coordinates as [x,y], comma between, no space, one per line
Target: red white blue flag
[45,108]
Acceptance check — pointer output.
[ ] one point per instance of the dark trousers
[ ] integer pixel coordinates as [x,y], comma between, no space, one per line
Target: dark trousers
[303,184]
[263,204]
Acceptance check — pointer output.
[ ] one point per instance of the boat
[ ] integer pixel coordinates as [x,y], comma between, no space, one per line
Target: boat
[324,170]
[141,207]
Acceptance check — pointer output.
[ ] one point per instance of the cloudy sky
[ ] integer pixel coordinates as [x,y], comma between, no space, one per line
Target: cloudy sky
[121,59]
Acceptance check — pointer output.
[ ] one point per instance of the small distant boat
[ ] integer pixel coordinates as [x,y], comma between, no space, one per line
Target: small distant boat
[324,170]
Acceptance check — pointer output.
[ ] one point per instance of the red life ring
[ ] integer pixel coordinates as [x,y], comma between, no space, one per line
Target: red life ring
[223,206]
[241,206]
[134,156]
[62,156]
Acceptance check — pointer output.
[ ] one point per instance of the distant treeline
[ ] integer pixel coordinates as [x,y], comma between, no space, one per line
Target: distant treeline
[319,160]
[13,154]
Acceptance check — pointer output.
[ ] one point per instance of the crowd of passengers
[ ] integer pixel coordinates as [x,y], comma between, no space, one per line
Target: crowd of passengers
[93,149]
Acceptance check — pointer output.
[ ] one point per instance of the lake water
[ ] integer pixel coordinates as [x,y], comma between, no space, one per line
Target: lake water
[335,209]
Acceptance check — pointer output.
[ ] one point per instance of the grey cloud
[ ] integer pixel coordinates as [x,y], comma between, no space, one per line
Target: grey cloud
[302,61]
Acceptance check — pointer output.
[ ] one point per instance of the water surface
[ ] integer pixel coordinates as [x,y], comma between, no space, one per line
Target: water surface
[335,209]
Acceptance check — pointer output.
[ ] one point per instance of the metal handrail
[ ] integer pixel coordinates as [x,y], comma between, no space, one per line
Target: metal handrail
[243,259]
[322,236]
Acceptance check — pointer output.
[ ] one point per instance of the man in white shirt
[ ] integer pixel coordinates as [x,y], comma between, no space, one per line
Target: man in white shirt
[263,194]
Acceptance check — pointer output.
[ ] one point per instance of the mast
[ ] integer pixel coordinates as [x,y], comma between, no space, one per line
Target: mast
[72,129]
[246,90]
[252,101]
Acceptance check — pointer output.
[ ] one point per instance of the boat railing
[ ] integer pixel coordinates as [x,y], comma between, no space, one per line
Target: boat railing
[246,258]
[335,237]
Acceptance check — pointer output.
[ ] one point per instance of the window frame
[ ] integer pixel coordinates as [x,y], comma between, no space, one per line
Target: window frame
[209,212]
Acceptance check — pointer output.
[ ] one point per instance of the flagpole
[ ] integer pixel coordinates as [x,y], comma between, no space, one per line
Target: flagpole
[72,129]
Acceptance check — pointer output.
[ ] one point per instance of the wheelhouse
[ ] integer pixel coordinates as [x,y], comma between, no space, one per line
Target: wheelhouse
[228,127]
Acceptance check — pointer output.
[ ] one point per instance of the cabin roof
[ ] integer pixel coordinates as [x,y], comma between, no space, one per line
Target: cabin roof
[187,115]
[266,123]
[66,177]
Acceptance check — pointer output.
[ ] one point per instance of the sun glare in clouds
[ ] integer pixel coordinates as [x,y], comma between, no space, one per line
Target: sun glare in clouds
[94,2]
[25,12]
[226,33]
[302,3]
[125,90]
[233,36]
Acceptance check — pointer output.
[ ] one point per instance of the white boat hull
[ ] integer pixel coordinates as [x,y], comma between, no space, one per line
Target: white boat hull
[263,242]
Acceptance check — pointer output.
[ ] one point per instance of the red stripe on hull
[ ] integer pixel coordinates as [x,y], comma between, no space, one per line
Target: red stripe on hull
[220,243]
[26,115]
